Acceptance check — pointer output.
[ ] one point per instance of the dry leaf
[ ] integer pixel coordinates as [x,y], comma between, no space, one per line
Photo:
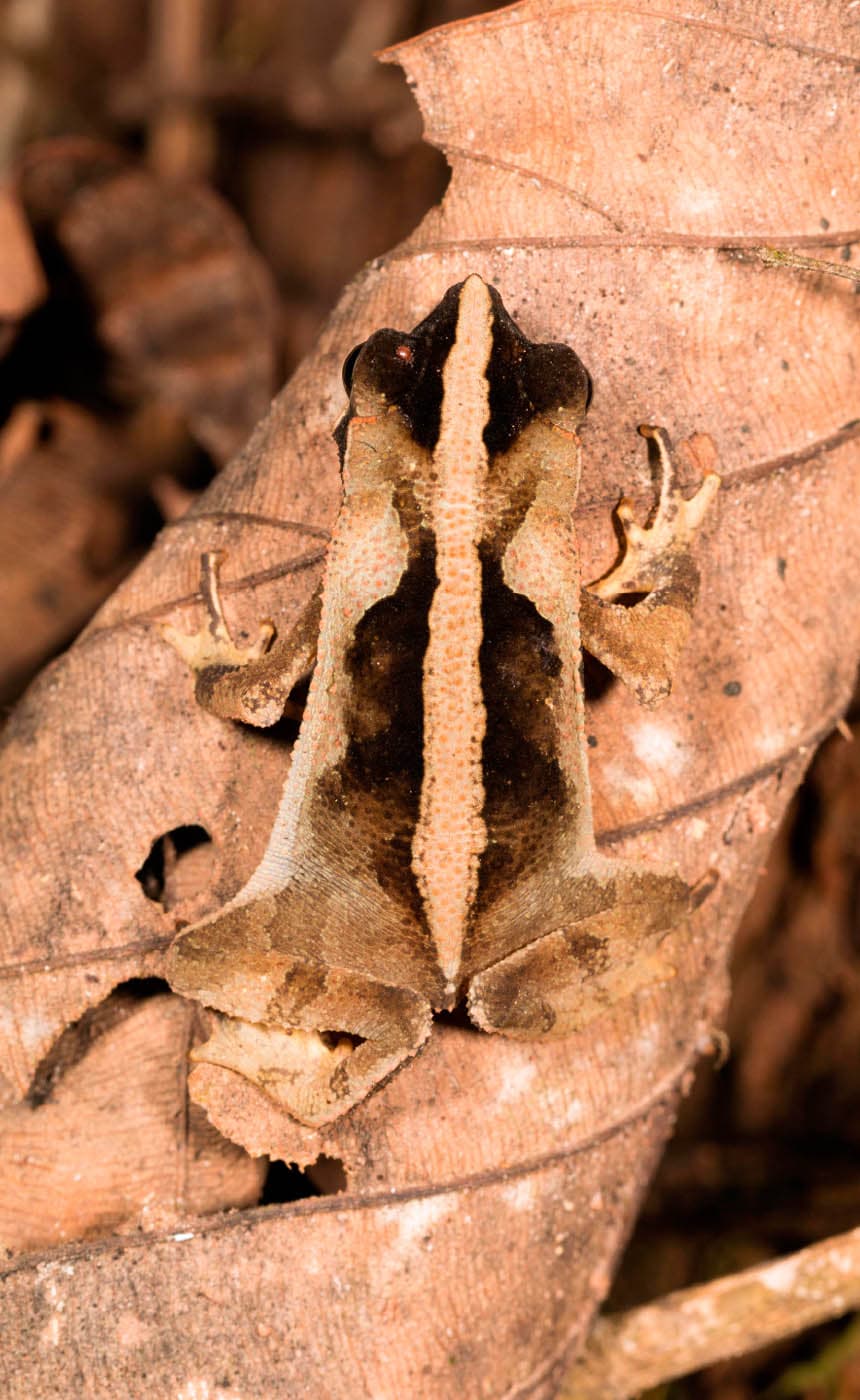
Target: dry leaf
[602,162]
[22,283]
[182,302]
[156,338]
[67,531]
[93,1153]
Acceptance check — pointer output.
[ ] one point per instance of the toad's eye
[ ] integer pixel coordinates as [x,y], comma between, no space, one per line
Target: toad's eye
[349,366]
[405,353]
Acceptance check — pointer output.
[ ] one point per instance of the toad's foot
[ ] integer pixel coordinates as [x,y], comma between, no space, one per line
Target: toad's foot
[213,643]
[651,552]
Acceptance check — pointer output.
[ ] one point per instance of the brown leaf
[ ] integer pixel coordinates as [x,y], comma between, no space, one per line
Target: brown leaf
[182,301]
[22,284]
[162,277]
[66,531]
[94,1152]
[602,161]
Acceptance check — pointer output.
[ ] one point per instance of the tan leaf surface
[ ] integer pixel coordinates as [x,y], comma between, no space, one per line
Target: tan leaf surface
[94,1152]
[602,161]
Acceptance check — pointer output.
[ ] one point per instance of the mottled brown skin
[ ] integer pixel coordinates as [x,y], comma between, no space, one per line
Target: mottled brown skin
[435,838]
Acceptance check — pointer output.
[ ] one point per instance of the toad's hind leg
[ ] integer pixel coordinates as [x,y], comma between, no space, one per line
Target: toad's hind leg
[566,977]
[315,1038]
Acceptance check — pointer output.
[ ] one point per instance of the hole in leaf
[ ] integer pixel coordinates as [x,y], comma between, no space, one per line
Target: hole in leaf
[332,1040]
[283,1184]
[178,867]
[324,1177]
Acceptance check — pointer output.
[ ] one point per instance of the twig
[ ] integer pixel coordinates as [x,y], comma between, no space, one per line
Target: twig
[695,1327]
[785,257]
[181,139]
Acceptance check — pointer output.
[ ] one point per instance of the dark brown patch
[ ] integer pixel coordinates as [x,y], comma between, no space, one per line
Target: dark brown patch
[511,1004]
[590,951]
[519,673]
[525,379]
[376,789]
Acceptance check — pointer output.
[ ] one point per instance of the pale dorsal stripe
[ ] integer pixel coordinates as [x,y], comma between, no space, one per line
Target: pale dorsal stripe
[451,834]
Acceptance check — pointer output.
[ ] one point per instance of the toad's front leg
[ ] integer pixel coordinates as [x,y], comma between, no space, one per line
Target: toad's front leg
[641,643]
[250,683]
